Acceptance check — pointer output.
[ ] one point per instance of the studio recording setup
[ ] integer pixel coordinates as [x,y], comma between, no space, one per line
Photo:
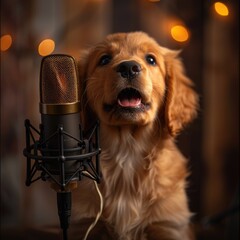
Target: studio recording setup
[59,152]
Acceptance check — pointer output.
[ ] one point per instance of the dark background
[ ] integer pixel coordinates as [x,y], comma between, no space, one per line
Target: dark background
[211,58]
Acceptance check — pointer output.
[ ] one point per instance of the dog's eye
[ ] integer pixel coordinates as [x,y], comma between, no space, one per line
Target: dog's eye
[104,60]
[151,60]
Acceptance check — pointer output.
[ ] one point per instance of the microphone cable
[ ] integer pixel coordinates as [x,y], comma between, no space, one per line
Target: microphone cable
[100,209]
[64,211]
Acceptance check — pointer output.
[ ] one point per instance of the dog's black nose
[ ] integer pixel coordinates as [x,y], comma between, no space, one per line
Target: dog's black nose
[129,69]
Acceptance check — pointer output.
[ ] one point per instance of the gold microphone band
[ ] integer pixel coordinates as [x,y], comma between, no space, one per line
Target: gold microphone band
[62,108]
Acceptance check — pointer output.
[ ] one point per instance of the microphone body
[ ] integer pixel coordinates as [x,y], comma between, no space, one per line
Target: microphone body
[60,111]
[51,124]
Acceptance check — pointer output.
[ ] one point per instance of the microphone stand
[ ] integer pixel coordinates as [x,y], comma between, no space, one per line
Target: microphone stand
[39,158]
[64,204]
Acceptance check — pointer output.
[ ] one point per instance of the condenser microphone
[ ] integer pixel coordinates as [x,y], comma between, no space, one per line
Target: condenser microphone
[60,113]
[62,154]
[60,110]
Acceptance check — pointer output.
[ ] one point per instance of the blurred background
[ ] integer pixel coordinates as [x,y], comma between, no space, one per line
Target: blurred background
[208,33]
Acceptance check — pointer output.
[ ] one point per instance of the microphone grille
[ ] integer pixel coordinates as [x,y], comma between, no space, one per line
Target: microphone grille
[58,80]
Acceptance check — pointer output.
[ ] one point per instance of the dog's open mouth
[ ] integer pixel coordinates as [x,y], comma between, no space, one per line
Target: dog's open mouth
[129,98]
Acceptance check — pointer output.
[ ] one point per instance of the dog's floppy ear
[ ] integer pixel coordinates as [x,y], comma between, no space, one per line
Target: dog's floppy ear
[88,118]
[181,100]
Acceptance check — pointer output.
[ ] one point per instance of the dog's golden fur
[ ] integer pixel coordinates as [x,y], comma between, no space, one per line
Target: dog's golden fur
[143,172]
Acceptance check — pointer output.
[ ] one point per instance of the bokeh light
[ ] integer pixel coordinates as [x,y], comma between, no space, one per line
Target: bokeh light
[221,9]
[179,33]
[6,42]
[46,47]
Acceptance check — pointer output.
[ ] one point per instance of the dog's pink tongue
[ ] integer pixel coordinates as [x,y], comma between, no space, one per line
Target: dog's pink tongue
[133,102]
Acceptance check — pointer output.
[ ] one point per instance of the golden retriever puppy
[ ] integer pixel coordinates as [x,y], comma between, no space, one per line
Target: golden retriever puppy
[139,92]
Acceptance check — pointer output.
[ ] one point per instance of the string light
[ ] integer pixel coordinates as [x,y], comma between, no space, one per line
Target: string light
[221,9]
[6,42]
[46,47]
[179,33]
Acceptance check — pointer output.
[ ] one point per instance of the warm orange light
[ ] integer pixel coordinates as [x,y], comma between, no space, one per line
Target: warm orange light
[6,42]
[221,9]
[154,0]
[46,47]
[179,33]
